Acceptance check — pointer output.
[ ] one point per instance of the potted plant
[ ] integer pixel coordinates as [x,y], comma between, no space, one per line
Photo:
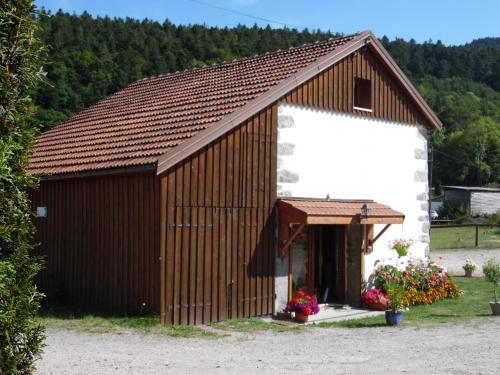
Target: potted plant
[491,270]
[395,292]
[302,306]
[469,267]
[401,246]
[376,299]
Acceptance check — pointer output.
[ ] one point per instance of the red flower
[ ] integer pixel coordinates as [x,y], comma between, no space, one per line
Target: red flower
[295,300]
[300,294]
[307,296]
[307,311]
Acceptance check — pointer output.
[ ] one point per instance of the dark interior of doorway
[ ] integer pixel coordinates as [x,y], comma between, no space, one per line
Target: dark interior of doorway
[329,260]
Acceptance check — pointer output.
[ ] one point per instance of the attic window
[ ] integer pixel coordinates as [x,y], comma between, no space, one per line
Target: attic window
[362,94]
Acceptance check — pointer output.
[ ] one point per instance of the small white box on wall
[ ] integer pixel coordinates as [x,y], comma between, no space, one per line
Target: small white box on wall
[41,212]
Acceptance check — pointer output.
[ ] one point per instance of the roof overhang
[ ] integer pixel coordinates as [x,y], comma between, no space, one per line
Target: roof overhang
[296,213]
[146,168]
[203,138]
[326,211]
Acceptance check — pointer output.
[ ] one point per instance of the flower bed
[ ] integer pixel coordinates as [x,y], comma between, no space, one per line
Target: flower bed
[424,282]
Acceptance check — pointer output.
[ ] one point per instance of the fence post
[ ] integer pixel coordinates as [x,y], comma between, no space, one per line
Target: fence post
[477,235]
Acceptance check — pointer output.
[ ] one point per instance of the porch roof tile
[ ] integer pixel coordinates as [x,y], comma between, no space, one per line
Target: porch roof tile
[328,211]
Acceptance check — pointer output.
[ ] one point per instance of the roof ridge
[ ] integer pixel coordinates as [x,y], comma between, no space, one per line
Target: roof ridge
[245,58]
[214,65]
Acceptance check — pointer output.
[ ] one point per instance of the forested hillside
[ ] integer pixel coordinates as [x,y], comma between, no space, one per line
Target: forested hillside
[91,58]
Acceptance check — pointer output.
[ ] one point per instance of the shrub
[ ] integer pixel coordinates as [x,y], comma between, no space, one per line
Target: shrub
[20,69]
[395,292]
[20,334]
[493,219]
[451,211]
[491,270]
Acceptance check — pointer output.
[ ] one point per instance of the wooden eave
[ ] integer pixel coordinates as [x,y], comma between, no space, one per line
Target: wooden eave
[295,214]
[205,137]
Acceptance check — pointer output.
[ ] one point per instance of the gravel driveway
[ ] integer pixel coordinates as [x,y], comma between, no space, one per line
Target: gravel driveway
[454,259]
[463,349]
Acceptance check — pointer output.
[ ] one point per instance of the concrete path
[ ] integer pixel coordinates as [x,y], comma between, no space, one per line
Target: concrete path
[454,259]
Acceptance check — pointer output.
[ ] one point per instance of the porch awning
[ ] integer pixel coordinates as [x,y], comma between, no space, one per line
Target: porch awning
[328,211]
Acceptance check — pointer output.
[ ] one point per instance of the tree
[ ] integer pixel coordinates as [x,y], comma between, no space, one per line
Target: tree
[471,156]
[22,55]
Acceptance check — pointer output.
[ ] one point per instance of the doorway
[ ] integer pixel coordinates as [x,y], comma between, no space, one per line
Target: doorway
[329,263]
[319,264]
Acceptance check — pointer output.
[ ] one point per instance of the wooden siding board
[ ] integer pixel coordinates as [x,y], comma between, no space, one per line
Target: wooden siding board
[199,263]
[207,306]
[389,102]
[234,263]
[193,257]
[89,247]
[215,264]
[163,242]
[222,271]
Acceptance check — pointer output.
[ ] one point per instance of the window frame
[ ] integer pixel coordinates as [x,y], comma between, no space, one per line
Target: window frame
[364,84]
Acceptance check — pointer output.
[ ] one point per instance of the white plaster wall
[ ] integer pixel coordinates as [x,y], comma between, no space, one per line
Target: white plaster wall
[344,156]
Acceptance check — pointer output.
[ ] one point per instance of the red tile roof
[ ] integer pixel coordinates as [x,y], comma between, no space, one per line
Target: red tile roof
[149,118]
[314,211]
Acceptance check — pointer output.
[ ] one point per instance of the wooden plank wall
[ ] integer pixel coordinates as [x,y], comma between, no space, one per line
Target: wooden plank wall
[101,242]
[218,224]
[333,89]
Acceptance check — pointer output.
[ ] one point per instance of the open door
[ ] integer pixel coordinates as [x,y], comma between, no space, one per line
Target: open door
[329,263]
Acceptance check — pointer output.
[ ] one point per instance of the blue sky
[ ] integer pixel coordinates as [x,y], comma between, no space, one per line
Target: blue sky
[451,21]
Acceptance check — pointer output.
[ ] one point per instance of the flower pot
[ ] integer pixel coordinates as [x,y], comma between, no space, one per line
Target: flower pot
[301,318]
[393,318]
[495,307]
[468,273]
[379,306]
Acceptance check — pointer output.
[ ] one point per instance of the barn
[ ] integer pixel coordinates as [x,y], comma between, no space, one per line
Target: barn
[475,201]
[217,192]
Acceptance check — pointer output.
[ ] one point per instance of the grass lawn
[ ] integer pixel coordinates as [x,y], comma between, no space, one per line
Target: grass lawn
[463,238]
[473,304]
[100,324]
